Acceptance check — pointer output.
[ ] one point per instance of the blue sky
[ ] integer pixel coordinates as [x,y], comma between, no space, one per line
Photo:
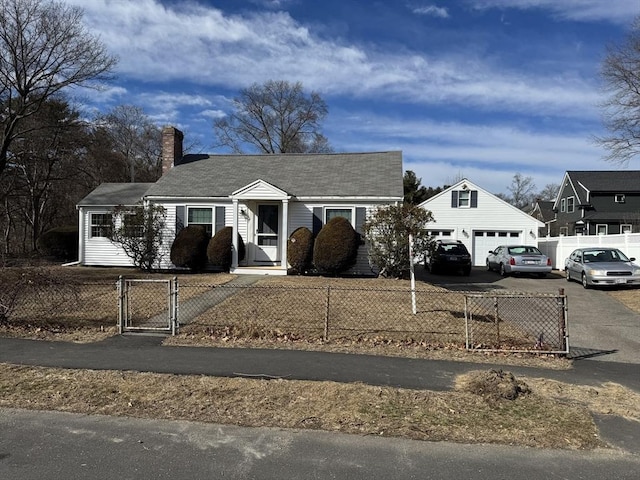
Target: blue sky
[480,89]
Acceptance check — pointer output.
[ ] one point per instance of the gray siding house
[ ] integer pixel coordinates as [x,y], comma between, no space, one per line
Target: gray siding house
[263,197]
[598,203]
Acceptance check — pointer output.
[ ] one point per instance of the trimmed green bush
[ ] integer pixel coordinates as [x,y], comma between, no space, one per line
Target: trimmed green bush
[219,249]
[189,249]
[336,247]
[300,250]
[60,243]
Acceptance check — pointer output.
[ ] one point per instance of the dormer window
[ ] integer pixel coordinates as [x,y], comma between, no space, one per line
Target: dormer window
[619,198]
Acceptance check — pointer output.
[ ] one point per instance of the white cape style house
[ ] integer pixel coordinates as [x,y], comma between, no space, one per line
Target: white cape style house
[263,197]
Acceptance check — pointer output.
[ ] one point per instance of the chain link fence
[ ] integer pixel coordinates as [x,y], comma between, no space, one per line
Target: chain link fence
[510,322]
[521,321]
[272,312]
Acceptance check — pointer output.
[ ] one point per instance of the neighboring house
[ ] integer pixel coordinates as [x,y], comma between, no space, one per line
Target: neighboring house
[598,203]
[543,211]
[263,197]
[479,219]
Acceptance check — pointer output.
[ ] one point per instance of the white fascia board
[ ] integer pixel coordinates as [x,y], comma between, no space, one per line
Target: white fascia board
[182,199]
[348,199]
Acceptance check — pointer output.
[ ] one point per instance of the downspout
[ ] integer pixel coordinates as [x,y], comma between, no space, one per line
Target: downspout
[81,234]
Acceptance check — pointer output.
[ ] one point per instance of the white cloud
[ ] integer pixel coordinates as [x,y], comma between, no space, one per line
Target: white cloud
[203,45]
[431,10]
[614,11]
[488,155]
[213,114]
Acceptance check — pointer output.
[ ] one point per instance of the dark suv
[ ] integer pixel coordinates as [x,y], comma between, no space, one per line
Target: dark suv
[449,256]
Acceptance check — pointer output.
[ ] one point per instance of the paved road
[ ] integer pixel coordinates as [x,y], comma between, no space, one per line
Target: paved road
[600,327]
[54,445]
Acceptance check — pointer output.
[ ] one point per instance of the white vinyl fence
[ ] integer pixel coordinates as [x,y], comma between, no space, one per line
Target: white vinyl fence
[559,248]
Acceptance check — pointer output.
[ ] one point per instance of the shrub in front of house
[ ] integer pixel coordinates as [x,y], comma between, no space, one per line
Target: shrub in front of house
[60,243]
[336,247]
[219,249]
[189,249]
[300,250]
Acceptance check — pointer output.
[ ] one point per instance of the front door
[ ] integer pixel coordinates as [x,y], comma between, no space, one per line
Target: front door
[267,233]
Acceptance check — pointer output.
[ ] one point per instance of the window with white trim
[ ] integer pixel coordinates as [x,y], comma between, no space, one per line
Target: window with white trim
[201,216]
[464,199]
[571,204]
[601,229]
[563,205]
[332,212]
[619,198]
[101,224]
[626,228]
[132,224]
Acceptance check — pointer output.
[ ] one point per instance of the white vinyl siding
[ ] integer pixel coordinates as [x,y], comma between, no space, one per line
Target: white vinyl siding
[493,216]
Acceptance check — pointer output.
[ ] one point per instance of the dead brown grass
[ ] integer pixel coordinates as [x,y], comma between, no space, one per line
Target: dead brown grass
[533,419]
[630,297]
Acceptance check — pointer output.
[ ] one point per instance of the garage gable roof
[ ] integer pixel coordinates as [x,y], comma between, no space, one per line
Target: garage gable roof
[466,184]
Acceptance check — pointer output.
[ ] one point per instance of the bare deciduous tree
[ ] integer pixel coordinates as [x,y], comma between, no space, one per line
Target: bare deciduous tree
[522,191]
[621,74]
[136,139]
[276,117]
[44,48]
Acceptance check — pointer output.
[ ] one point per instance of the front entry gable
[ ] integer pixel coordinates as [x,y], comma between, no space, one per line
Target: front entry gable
[260,190]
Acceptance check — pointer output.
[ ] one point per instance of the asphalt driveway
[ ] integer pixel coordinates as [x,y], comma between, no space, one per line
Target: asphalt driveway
[600,327]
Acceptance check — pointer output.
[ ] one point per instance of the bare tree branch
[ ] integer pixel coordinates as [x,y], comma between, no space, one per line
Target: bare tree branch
[621,74]
[276,117]
[44,48]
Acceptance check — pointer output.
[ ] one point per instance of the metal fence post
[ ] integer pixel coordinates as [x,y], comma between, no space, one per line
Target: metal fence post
[121,302]
[497,320]
[326,316]
[175,325]
[562,319]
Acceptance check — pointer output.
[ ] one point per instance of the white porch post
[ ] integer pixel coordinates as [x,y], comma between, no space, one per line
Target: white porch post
[234,236]
[285,233]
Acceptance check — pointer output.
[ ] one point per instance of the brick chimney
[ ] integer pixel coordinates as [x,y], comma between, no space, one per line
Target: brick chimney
[171,148]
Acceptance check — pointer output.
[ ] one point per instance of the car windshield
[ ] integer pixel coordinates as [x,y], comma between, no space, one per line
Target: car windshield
[524,251]
[590,256]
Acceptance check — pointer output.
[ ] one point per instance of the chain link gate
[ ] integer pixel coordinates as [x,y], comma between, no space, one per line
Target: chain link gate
[148,305]
[517,322]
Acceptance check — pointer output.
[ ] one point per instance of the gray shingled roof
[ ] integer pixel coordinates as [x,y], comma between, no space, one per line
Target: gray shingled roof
[300,175]
[620,181]
[109,194]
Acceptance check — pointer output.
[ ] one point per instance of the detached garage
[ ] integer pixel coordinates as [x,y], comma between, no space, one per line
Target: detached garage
[479,219]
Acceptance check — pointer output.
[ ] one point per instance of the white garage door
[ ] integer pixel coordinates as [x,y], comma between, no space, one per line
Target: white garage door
[483,241]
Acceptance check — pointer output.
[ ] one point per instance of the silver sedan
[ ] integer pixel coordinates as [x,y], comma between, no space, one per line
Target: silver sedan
[601,266]
[508,259]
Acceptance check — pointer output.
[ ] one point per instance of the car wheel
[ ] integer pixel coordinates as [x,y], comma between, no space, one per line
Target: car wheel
[584,280]
[488,266]
[567,275]
[503,272]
